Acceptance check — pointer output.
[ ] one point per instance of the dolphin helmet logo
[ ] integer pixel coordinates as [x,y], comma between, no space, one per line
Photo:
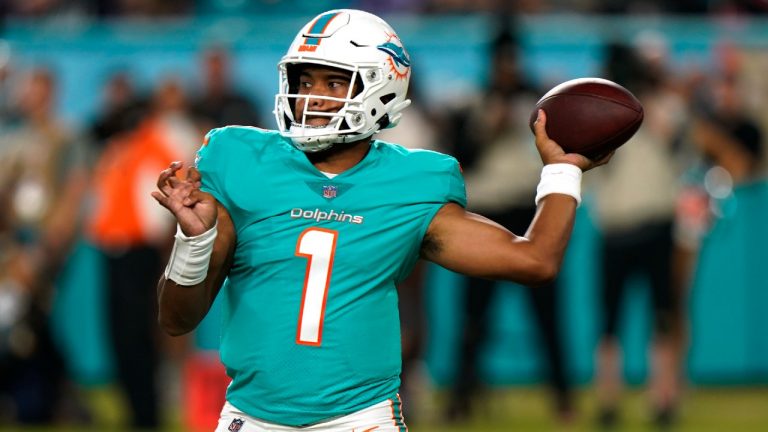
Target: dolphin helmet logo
[397,52]
[399,61]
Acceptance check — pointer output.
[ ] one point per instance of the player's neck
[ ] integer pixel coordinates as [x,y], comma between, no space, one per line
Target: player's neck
[340,157]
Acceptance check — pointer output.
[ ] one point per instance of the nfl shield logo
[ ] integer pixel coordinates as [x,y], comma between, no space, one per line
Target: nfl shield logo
[236,425]
[329,191]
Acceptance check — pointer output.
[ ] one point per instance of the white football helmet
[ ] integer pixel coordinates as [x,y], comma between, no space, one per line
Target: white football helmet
[356,41]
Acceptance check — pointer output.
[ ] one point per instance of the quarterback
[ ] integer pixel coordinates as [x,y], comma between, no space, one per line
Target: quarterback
[306,230]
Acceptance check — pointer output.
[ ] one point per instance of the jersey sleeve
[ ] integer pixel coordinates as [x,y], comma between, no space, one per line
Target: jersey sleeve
[457,191]
[212,163]
[439,179]
[440,182]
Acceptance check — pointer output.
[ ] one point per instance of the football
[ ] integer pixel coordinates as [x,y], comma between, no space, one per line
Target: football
[590,116]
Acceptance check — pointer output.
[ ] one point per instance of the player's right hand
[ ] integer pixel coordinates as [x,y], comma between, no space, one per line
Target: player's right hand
[194,209]
[551,152]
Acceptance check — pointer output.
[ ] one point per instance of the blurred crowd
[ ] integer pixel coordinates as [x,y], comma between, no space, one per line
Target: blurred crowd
[702,139]
[166,8]
[59,185]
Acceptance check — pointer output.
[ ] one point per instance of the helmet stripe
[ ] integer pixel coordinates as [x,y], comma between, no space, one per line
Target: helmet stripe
[319,26]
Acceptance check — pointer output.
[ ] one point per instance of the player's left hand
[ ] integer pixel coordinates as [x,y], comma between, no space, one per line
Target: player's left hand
[194,209]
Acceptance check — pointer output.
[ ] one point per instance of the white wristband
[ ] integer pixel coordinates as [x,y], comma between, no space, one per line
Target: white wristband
[188,264]
[561,178]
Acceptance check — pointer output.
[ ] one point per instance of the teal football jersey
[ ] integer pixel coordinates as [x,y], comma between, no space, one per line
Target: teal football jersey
[310,321]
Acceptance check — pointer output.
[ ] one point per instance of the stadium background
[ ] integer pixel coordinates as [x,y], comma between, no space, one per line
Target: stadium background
[728,323]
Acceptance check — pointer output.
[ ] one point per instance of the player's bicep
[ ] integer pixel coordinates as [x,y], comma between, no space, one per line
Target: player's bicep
[471,244]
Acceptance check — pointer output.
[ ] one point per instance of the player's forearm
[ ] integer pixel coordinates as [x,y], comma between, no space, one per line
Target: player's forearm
[185,299]
[549,233]
[181,308]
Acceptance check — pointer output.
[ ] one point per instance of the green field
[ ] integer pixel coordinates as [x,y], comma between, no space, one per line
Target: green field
[527,409]
[710,409]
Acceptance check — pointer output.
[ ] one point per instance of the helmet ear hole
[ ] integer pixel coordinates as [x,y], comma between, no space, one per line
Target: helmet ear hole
[387,98]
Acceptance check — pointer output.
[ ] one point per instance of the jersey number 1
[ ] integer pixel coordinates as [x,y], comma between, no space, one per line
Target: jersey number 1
[318,246]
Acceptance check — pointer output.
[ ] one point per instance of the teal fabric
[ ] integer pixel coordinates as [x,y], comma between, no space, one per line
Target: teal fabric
[729,298]
[366,225]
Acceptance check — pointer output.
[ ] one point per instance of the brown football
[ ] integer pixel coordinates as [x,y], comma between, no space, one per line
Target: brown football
[590,116]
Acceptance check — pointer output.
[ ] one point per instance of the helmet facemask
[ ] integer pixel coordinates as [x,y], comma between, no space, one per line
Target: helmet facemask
[344,125]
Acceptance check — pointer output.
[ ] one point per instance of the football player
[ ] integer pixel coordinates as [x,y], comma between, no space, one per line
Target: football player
[306,230]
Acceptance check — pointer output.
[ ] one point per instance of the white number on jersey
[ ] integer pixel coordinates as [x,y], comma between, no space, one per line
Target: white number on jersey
[318,245]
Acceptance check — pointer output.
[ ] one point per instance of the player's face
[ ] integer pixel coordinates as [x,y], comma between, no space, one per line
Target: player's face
[321,81]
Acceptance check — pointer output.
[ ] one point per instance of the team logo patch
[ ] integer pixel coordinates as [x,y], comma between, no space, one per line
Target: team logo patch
[399,60]
[330,191]
[236,425]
